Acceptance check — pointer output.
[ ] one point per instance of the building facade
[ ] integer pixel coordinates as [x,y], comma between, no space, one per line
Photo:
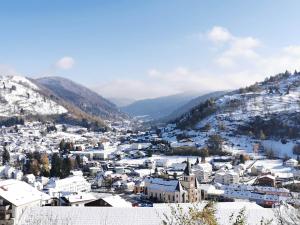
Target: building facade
[185,190]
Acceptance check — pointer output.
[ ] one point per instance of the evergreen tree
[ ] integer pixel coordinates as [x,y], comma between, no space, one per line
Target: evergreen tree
[78,162]
[242,159]
[5,156]
[149,153]
[62,145]
[56,165]
[66,167]
[175,176]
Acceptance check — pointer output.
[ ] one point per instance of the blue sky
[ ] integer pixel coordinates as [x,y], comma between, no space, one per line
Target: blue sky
[143,48]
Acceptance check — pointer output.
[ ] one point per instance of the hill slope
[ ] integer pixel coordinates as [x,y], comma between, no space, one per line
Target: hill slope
[20,97]
[157,108]
[191,104]
[267,109]
[81,97]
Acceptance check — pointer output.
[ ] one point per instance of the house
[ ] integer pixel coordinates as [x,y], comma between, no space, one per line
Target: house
[149,163]
[162,163]
[259,169]
[266,180]
[226,177]
[202,171]
[15,197]
[291,163]
[173,191]
[240,169]
[29,178]
[69,184]
[209,192]
[110,201]
[139,187]
[78,199]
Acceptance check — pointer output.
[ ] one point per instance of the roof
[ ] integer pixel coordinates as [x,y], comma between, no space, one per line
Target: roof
[117,201]
[54,183]
[162,184]
[80,197]
[20,193]
[135,215]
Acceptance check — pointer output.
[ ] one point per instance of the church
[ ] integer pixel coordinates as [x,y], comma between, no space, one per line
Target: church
[184,190]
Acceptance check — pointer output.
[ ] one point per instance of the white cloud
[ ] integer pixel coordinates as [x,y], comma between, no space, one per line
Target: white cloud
[237,62]
[132,88]
[65,63]
[219,35]
[292,49]
[236,49]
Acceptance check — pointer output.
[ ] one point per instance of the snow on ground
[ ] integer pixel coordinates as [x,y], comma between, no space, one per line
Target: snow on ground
[280,150]
[19,96]
[275,165]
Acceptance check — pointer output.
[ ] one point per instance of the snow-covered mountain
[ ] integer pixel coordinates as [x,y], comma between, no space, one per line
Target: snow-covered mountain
[270,108]
[19,96]
[80,97]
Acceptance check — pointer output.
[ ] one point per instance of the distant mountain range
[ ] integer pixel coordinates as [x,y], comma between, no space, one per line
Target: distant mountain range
[122,102]
[158,108]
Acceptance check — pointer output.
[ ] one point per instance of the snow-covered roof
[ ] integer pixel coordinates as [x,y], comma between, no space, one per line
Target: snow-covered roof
[117,201]
[161,184]
[53,183]
[20,193]
[80,197]
[136,215]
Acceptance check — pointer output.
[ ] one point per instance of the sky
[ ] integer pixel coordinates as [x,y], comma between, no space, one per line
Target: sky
[149,48]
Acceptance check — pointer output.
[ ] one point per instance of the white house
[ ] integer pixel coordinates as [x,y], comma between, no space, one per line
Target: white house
[149,163]
[29,178]
[69,184]
[291,163]
[202,171]
[15,197]
[163,163]
[226,177]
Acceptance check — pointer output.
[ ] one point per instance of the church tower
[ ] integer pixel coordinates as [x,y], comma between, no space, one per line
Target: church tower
[190,183]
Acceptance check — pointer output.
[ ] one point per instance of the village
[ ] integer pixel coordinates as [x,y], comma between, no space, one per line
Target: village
[46,164]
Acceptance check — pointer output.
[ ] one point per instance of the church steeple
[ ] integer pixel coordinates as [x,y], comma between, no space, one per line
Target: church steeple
[188,170]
